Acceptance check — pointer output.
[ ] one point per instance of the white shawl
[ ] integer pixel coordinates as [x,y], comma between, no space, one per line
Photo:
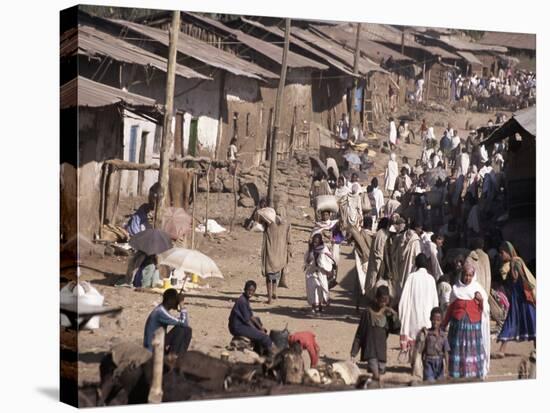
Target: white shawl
[418,298]
[393,132]
[461,291]
[391,175]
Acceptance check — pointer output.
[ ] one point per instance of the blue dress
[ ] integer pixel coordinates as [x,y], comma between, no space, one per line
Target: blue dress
[520,324]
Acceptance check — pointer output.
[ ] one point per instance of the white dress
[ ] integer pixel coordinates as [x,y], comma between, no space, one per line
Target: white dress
[316,276]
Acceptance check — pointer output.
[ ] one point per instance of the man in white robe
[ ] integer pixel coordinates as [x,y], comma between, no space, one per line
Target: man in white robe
[409,247]
[463,162]
[391,174]
[418,298]
[392,135]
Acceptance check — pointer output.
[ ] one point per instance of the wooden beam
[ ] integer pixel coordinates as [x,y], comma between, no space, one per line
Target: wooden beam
[276,123]
[155,393]
[167,137]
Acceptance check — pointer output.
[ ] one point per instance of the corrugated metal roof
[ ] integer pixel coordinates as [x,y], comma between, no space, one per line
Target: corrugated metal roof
[85,92]
[90,41]
[470,58]
[514,40]
[463,45]
[522,120]
[203,52]
[269,50]
[365,65]
[294,40]
[527,118]
[383,33]
[346,34]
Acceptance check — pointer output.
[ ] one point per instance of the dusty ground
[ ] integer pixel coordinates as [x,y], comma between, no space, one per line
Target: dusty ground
[238,256]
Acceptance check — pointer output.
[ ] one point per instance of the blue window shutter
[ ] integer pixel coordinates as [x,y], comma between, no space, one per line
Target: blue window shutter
[133,143]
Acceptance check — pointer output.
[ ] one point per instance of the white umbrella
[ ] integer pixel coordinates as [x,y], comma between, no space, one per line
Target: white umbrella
[193,261]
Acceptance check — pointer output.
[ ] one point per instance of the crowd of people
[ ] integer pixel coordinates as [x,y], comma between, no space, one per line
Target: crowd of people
[506,82]
[430,265]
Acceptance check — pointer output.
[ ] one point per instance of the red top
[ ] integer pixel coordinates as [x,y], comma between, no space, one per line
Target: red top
[307,341]
[459,308]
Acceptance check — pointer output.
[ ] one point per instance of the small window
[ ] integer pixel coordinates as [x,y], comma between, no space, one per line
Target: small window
[133,143]
[158,137]
[248,124]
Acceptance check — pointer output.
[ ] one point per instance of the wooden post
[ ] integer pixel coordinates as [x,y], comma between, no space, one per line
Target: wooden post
[352,117]
[167,135]
[207,198]
[103,200]
[155,393]
[403,41]
[278,104]
[234,198]
[117,201]
[193,213]
[223,100]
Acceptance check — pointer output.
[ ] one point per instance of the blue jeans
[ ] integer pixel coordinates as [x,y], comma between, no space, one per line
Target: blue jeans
[433,369]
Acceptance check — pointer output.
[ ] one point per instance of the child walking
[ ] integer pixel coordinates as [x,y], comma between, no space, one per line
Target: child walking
[434,347]
[377,322]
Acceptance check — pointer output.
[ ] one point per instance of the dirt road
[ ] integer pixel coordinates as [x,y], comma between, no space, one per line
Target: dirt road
[238,256]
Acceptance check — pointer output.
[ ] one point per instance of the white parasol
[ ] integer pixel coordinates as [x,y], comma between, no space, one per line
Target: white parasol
[192,261]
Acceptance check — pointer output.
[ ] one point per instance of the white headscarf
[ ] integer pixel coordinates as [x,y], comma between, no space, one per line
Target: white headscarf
[462,291]
[431,134]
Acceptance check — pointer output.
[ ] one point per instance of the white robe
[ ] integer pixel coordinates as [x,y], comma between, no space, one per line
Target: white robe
[391,175]
[316,277]
[418,298]
[464,163]
[393,133]
[435,266]
[378,199]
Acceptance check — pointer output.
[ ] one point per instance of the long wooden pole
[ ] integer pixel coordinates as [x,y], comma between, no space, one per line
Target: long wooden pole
[403,41]
[276,123]
[167,135]
[155,392]
[106,168]
[234,197]
[207,198]
[352,117]
[193,213]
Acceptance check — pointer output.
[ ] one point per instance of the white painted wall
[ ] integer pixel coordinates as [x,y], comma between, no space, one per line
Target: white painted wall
[197,98]
[129,179]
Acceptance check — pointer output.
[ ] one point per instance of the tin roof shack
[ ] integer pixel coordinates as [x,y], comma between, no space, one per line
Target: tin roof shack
[229,106]
[199,102]
[481,59]
[249,117]
[328,88]
[521,46]
[520,170]
[108,123]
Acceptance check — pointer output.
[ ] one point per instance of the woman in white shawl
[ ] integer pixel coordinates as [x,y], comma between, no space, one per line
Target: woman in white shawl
[392,171]
[342,189]
[318,263]
[325,228]
[393,135]
[468,317]
[418,298]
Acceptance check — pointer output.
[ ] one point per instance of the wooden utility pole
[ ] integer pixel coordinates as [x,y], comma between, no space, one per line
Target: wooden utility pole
[167,133]
[352,117]
[278,104]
